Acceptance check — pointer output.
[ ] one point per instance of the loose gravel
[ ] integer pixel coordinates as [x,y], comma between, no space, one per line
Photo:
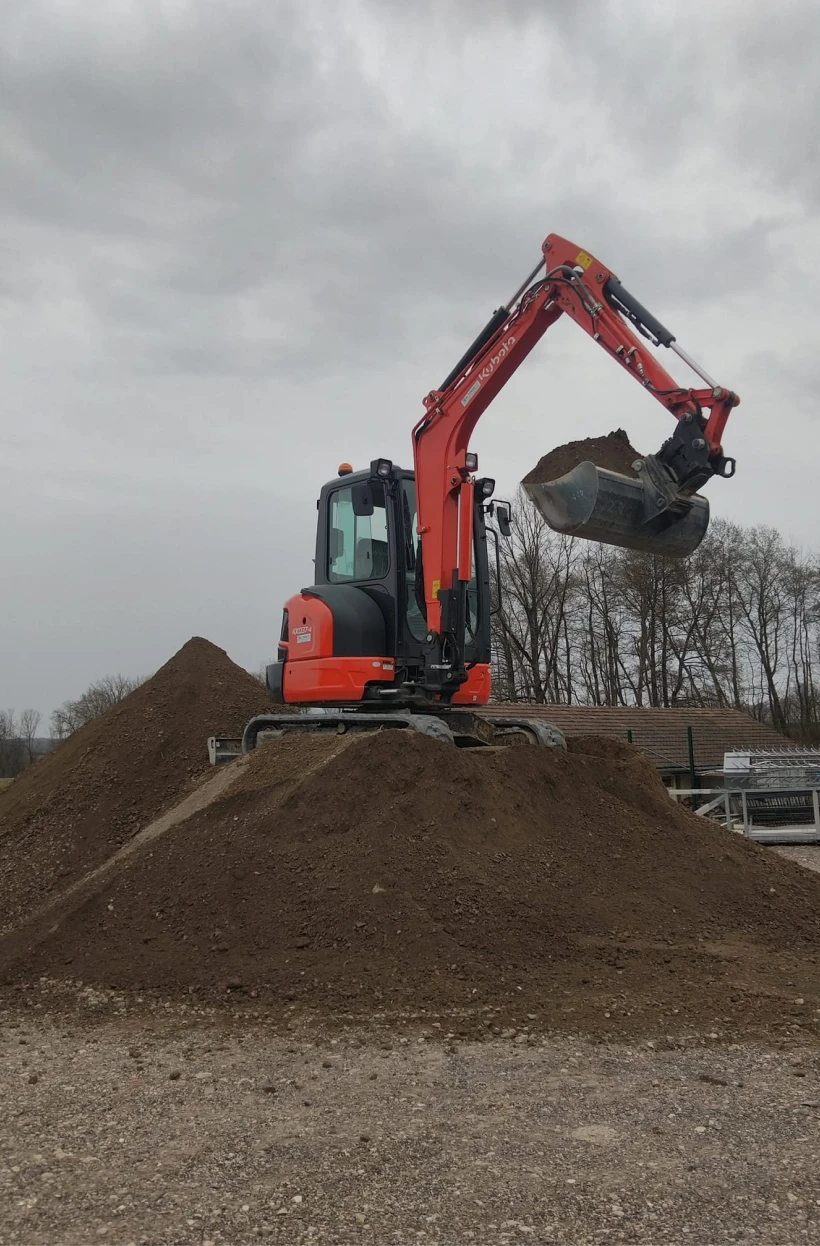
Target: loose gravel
[807,855]
[156,1125]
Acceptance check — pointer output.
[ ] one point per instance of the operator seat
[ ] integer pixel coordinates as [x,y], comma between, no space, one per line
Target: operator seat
[370,560]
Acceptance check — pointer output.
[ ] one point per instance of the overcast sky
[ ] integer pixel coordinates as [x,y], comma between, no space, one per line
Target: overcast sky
[242,239]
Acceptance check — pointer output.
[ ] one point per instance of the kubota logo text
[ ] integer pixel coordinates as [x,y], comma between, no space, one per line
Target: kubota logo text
[492,363]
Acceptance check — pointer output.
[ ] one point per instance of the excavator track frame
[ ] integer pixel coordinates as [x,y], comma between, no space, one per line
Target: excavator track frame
[462,729]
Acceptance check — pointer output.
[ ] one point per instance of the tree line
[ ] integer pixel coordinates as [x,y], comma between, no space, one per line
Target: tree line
[18,735]
[20,745]
[736,625]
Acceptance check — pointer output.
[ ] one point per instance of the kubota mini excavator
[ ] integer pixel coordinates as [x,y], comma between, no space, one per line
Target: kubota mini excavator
[396,630]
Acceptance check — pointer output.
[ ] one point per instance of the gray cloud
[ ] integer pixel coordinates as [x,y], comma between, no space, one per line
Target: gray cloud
[242,241]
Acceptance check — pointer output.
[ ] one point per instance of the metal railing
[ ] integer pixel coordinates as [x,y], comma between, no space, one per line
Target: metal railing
[770,815]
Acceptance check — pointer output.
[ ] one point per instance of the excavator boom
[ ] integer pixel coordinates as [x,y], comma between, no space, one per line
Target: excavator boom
[658,512]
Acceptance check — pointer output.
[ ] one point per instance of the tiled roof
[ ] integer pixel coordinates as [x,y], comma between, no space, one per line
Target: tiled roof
[660,733]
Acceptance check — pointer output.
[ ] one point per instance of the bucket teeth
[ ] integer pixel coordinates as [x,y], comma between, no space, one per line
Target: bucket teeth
[604,506]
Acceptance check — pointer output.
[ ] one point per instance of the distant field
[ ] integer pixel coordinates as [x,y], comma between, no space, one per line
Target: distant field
[4,783]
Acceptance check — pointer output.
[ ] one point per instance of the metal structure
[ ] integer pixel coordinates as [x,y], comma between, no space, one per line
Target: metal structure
[770,795]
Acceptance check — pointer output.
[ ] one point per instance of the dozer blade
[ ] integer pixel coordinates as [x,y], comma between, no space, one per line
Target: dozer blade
[605,506]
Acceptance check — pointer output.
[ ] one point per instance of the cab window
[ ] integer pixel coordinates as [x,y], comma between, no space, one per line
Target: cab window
[357,544]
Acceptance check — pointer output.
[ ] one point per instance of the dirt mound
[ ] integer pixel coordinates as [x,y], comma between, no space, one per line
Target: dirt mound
[70,811]
[612,451]
[393,872]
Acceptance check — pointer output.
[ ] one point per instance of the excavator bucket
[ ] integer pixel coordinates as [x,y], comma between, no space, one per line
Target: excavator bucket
[604,506]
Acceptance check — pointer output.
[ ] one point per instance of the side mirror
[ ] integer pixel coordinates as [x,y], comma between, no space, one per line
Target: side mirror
[502,518]
[336,544]
[362,498]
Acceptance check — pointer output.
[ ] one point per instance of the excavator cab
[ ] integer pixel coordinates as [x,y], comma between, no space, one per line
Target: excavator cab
[359,634]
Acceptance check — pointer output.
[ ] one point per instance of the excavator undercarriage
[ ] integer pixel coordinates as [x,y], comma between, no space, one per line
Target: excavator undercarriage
[458,727]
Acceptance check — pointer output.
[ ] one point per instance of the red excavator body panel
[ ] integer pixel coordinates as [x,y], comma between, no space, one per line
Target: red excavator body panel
[312,675]
[476,690]
[334,681]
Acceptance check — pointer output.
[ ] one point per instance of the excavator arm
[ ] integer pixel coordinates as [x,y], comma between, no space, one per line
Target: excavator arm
[658,511]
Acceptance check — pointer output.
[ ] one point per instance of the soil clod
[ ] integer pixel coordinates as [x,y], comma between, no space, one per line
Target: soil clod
[613,452]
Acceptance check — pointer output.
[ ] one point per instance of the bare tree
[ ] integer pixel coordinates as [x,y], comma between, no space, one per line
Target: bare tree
[737,624]
[97,699]
[12,752]
[529,624]
[601,630]
[763,611]
[29,722]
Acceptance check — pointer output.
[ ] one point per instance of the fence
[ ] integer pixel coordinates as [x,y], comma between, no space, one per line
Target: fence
[688,752]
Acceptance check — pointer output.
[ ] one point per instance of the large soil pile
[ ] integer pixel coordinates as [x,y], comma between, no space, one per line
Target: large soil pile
[70,811]
[612,451]
[394,872]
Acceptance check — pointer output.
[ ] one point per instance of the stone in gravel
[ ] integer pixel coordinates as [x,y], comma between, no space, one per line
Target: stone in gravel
[268,1087]
[328,1064]
[713,1081]
[174,1075]
[203,1077]
[33,1078]
[364,1137]
[600,1135]
[134,1053]
[373,1076]
[301,943]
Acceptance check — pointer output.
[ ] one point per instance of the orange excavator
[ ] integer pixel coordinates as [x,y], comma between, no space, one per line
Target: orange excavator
[396,630]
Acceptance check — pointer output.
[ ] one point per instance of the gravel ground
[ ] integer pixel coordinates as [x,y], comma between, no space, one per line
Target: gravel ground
[804,854]
[168,1127]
